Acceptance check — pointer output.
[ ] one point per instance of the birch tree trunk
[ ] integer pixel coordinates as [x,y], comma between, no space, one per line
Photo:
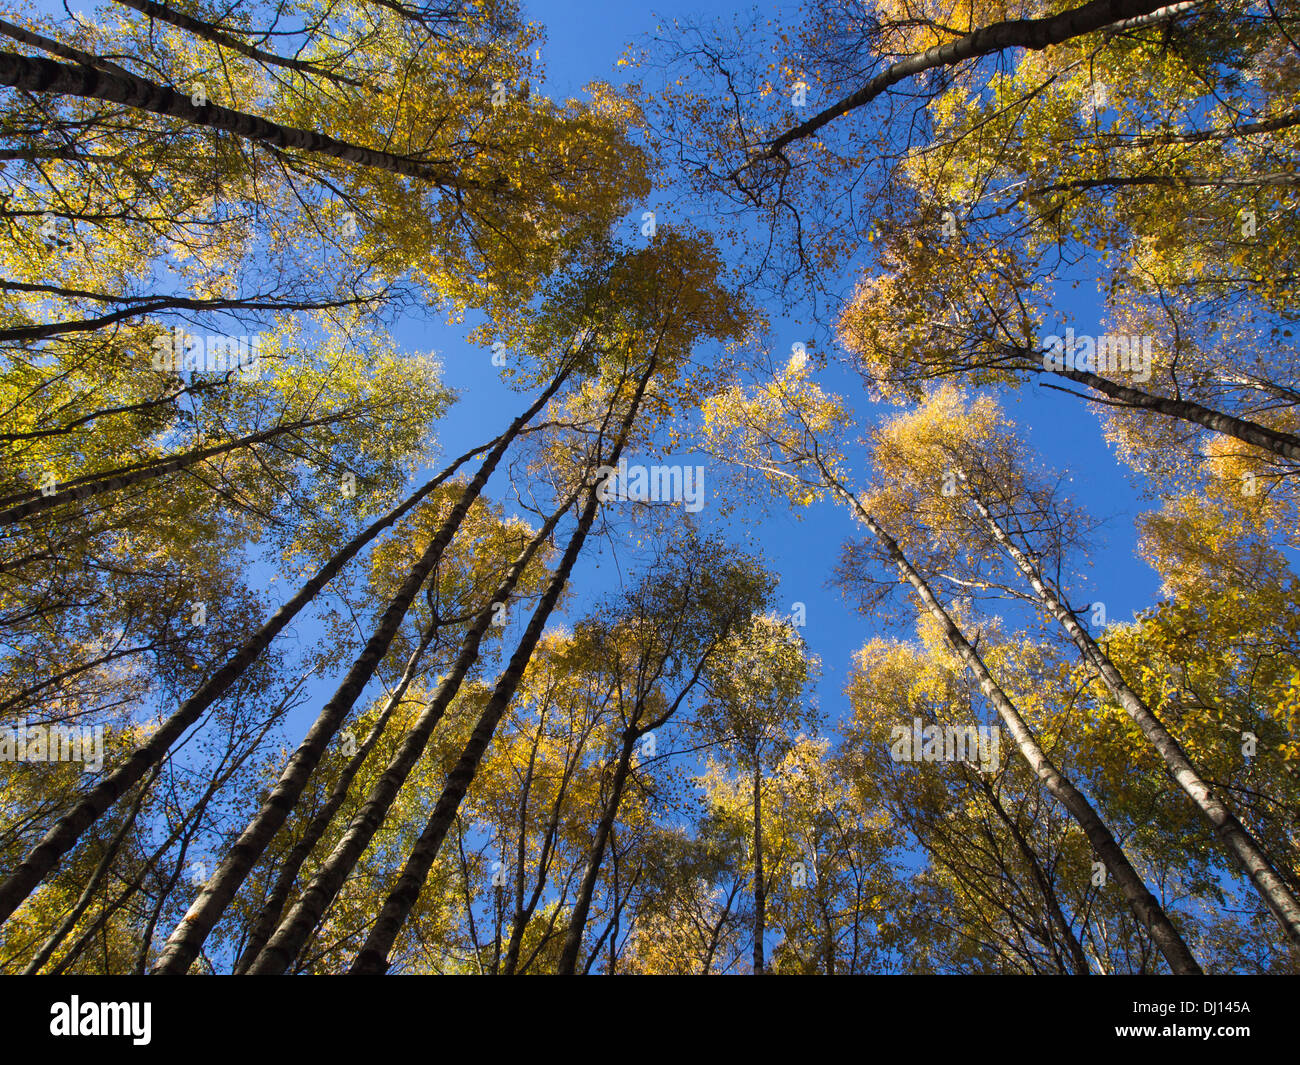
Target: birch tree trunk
[65,834]
[1035,33]
[37,74]
[568,963]
[269,916]
[1280,443]
[1144,904]
[116,480]
[188,937]
[324,887]
[373,957]
[1239,842]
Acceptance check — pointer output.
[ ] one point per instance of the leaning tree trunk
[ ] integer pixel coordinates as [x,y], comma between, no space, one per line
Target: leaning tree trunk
[568,963]
[373,957]
[29,503]
[37,74]
[1035,33]
[187,938]
[269,916]
[301,921]
[87,896]
[1234,836]
[65,834]
[1280,443]
[1144,904]
[1056,916]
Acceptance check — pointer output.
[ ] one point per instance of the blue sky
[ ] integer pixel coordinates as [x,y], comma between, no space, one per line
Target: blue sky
[584,41]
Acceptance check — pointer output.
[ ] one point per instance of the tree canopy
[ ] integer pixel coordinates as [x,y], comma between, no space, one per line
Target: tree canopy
[448,528]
